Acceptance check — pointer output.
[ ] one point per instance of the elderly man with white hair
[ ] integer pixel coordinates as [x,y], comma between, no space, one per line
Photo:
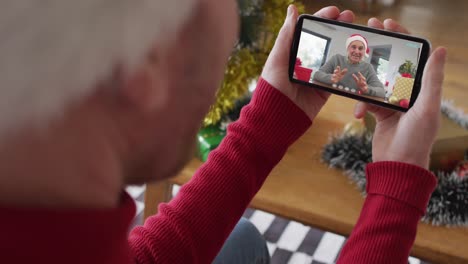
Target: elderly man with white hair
[351,70]
[98,94]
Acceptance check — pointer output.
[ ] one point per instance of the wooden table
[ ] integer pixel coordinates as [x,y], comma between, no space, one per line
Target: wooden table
[304,189]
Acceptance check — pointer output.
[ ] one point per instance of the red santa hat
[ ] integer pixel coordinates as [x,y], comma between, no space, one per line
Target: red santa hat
[358,37]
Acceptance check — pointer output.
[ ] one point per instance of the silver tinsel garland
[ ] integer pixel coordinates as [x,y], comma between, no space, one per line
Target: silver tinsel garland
[448,204]
[457,115]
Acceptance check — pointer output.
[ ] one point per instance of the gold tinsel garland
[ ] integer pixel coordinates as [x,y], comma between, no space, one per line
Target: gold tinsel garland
[246,64]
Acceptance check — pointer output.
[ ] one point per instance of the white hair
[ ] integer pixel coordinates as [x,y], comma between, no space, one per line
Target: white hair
[53,52]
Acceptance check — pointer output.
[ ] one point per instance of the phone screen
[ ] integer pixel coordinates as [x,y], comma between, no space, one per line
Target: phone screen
[376,66]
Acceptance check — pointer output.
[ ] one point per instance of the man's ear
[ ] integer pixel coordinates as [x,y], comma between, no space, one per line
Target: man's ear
[146,87]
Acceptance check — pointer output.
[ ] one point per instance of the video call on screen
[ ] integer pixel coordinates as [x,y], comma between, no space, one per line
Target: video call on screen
[378,67]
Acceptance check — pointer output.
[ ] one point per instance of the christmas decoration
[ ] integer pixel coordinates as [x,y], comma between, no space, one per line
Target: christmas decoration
[448,204]
[260,23]
[251,16]
[407,68]
[404,103]
[403,87]
[302,73]
[298,62]
[370,122]
[240,70]
[406,75]
[393,99]
[462,169]
[234,113]
[404,83]
[451,141]
[350,153]
[454,114]
[360,38]
[355,128]
[209,138]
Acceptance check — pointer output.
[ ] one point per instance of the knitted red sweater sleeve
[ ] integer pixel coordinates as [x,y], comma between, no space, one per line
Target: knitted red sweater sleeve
[398,194]
[194,225]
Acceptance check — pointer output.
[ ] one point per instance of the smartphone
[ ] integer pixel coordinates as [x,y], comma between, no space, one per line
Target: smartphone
[376,66]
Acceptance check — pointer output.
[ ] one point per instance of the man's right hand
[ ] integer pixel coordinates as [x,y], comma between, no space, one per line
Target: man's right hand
[338,74]
[409,137]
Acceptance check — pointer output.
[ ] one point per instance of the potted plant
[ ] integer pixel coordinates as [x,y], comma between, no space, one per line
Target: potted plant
[407,69]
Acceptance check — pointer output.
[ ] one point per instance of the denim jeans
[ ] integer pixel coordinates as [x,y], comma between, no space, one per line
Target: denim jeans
[244,245]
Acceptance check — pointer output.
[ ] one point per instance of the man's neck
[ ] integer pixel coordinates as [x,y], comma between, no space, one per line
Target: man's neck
[71,165]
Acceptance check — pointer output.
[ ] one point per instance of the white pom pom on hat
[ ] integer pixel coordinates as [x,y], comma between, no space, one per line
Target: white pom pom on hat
[360,38]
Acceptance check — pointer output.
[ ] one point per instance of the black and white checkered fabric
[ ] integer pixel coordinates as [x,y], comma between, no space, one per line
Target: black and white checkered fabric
[289,242]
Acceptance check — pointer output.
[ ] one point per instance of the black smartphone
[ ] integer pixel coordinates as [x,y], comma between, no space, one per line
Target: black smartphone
[377,66]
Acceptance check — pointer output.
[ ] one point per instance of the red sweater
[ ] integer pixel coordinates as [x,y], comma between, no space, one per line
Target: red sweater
[193,226]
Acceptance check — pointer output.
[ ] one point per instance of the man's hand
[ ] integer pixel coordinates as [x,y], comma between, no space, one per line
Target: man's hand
[338,74]
[361,82]
[409,137]
[276,68]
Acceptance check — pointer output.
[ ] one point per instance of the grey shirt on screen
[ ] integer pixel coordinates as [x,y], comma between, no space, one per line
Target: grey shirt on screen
[325,73]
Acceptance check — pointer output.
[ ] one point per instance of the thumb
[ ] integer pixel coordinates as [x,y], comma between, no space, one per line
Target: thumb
[431,88]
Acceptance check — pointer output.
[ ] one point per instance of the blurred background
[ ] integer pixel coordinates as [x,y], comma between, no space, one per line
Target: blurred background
[443,23]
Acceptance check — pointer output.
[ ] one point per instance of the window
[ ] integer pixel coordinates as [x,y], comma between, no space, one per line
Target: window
[380,61]
[382,70]
[313,49]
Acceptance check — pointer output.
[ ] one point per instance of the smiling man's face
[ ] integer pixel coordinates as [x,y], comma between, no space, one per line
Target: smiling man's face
[356,51]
